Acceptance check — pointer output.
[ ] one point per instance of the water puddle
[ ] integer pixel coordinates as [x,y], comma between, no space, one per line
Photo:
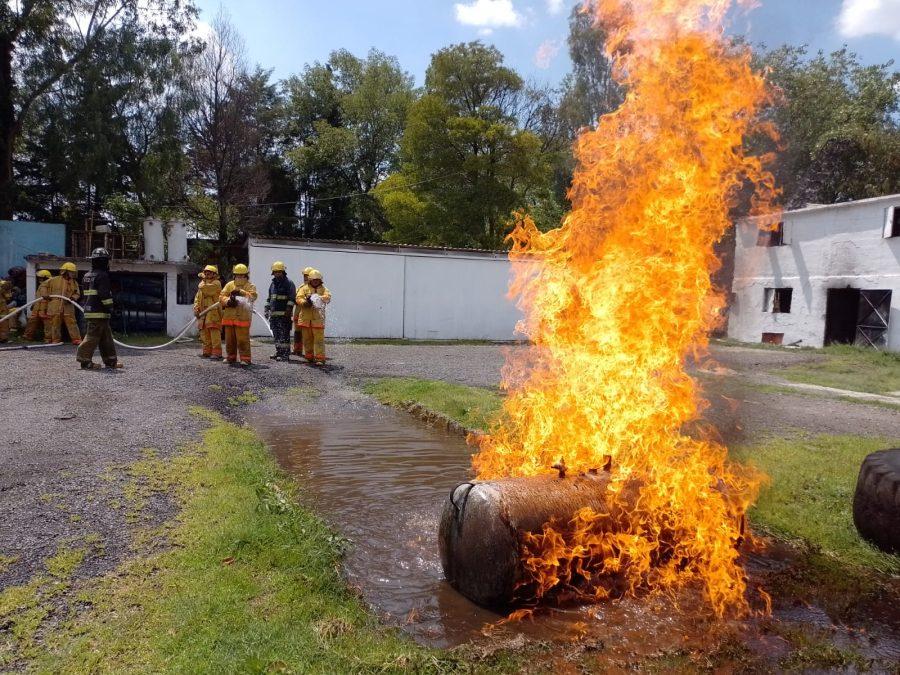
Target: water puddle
[380,478]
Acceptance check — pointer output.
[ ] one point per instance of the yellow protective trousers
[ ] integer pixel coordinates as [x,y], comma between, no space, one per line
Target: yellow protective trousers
[313,343]
[237,343]
[211,338]
[71,326]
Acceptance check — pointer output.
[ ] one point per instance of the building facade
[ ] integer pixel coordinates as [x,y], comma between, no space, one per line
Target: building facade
[390,291]
[21,238]
[823,275]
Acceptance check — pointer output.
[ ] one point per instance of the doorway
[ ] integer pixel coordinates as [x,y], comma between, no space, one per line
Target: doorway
[857,317]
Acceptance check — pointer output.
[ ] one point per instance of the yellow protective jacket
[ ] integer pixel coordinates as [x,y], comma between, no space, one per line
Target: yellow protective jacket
[5,297]
[61,286]
[307,315]
[241,315]
[40,308]
[207,295]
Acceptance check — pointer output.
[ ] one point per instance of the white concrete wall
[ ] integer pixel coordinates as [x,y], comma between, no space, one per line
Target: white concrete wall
[406,294]
[836,246]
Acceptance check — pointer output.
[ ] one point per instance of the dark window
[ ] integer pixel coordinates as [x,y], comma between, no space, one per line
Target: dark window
[773,338]
[893,225]
[187,288]
[778,300]
[771,236]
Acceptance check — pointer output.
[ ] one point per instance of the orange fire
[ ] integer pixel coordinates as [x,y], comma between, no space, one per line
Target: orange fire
[615,302]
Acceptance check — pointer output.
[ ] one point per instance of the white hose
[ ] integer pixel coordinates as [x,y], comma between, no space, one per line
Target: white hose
[121,344]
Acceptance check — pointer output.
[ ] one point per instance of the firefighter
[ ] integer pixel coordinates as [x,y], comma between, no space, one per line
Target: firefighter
[237,301]
[98,305]
[311,299]
[210,324]
[6,306]
[38,317]
[58,310]
[280,310]
[298,333]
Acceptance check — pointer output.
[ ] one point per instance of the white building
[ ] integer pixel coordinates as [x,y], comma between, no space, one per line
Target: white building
[391,291]
[824,275]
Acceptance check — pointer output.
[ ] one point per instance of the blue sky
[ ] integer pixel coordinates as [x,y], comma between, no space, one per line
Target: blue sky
[286,34]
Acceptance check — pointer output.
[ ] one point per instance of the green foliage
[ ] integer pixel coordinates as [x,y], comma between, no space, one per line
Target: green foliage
[345,122]
[466,162]
[838,121]
[810,494]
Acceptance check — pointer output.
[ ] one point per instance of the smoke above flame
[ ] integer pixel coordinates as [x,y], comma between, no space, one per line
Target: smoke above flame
[618,299]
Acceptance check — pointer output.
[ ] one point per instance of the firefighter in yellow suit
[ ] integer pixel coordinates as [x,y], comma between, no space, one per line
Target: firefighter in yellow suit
[210,324]
[38,316]
[311,300]
[237,300]
[58,310]
[5,297]
[298,334]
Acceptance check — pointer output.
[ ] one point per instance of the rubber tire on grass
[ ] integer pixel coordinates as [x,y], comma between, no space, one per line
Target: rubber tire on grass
[876,504]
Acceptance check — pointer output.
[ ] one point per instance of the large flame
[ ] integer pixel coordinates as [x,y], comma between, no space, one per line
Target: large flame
[619,297]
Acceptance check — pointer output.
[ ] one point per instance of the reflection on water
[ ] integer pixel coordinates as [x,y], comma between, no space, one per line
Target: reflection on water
[381,482]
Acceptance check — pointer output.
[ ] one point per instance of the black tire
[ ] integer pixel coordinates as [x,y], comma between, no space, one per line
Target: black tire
[876,504]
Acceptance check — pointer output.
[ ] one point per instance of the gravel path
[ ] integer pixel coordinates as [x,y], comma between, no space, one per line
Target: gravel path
[66,431]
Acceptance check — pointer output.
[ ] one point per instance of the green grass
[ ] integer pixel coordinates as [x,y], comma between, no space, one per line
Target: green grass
[403,342]
[850,368]
[473,407]
[811,494]
[143,339]
[245,581]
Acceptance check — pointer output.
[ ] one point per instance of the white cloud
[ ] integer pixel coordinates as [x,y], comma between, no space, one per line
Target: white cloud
[485,32]
[545,54]
[869,17]
[555,6]
[488,14]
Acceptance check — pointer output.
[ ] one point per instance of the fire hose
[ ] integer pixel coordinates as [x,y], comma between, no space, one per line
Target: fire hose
[121,344]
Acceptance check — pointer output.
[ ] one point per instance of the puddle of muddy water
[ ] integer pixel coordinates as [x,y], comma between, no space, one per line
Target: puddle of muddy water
[380,478]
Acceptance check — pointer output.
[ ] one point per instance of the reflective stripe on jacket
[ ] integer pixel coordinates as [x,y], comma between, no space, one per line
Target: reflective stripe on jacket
[241,315]
[308,316]
[98,300]
[282,295]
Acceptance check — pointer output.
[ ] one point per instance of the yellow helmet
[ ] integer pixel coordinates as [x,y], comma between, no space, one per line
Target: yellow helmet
[68,267]
[44,274]
[240,268]
[211,268]
[278,266]
[307,270]
[315,274]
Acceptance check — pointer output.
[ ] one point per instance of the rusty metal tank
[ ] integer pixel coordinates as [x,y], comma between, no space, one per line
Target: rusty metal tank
[483,521]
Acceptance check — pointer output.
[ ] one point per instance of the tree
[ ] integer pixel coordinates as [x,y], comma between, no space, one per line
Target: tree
[347,118]
[467,163]
[838,125]
[41,42]
[590,90]
[224,140]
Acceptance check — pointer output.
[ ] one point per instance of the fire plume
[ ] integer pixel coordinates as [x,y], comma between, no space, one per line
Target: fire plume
[618,298]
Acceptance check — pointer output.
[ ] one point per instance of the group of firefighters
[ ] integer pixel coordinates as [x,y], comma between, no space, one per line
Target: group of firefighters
[230,309]
[218,310]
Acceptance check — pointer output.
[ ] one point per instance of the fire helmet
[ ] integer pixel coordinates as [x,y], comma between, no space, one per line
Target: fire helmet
[278,266]
[307,270]
[100,253]
[44,274]
[211,268]
[315,274]
[240,268]
[69,267]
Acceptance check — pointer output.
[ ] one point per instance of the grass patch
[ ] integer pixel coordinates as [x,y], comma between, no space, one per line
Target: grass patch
[247,398]
[473,407]
[811,494]
[248,583]
[24,608]
[403,342]
[142,339]
[850,368]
